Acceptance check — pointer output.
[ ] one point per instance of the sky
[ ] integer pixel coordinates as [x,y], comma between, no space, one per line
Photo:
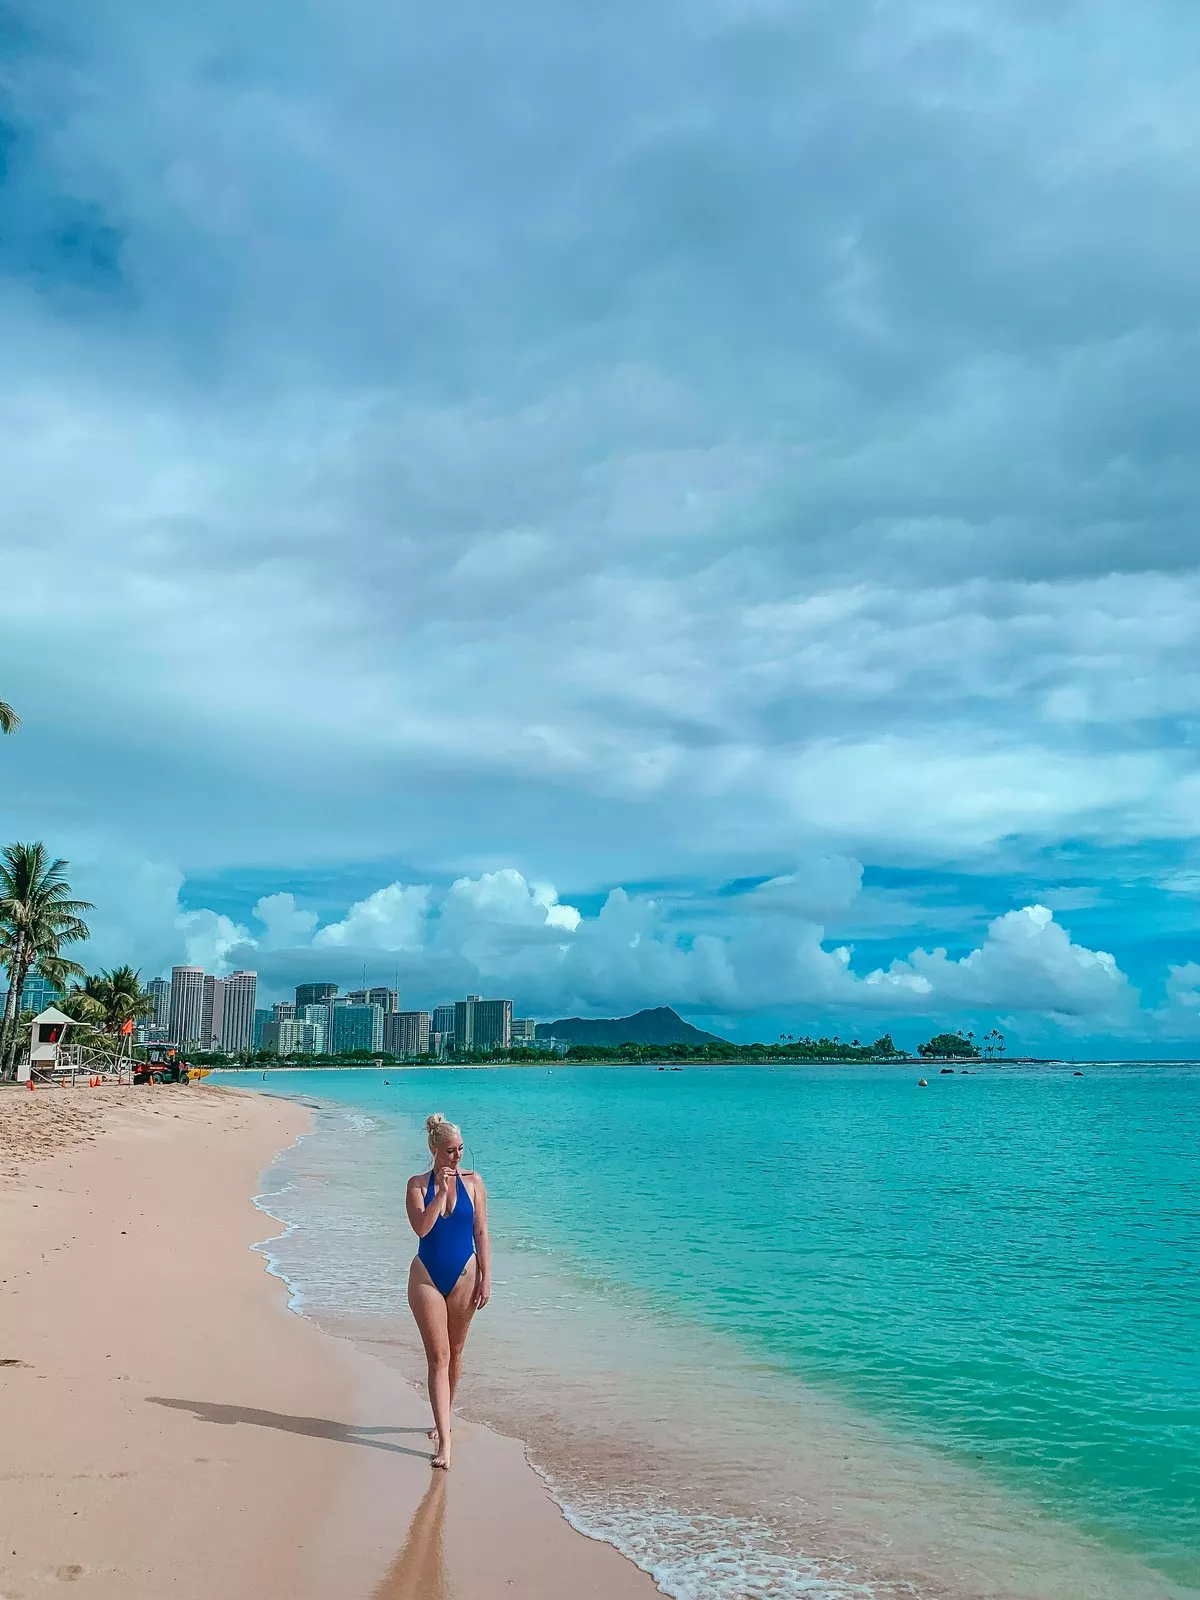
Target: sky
[661,503]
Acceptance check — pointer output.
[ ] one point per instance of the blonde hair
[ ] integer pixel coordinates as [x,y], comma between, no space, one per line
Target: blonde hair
[439,1132]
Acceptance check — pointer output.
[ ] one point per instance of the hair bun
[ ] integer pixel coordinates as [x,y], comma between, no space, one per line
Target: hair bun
[439,1130]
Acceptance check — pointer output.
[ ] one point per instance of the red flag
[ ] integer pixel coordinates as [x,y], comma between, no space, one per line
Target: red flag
[127,1026]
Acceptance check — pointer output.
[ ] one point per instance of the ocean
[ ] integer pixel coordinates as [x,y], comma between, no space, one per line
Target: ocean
[811,1331]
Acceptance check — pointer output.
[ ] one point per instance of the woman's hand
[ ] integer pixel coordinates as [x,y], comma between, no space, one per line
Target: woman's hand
[483,1290]
[443,1178]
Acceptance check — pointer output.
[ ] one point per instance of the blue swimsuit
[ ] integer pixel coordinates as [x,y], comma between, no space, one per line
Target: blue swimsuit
[450,1243]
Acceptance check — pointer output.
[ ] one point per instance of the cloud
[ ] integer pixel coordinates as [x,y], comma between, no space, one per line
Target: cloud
[209,938]
[664,448]
[1027,963]
[390,919]
[285,924]
[498,932]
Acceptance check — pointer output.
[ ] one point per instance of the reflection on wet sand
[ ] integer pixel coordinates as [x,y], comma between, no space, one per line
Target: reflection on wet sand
[420,1568]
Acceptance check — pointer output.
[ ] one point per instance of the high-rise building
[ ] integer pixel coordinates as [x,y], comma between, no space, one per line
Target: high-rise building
[159,991]
[386,999]
[406,1033]
[314,994]
[288,1036]
[358,997]
[356,1028]
[36,994]
[524,1031]
[493,1024]
[212,1013]
[187,1005]
[317,1016]
[443,1020]
[261,1018]
[482,1024]
[464,1022]
[284,1011]
[241,989]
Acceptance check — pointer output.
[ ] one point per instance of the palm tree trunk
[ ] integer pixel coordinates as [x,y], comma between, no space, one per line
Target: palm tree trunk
[12,1042]
[12,998]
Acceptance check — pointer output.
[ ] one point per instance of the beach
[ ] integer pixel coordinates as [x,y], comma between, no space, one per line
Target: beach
[172,1427]
[930,1367]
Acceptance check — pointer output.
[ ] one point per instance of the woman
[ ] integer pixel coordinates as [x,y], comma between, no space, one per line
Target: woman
[451,1275]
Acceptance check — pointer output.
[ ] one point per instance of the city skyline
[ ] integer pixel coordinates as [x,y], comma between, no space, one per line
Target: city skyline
[219,1014]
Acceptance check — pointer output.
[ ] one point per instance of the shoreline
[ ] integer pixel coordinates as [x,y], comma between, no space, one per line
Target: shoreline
[159,1389]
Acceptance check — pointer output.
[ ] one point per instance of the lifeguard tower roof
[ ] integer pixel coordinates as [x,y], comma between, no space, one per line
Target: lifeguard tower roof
[53,1014]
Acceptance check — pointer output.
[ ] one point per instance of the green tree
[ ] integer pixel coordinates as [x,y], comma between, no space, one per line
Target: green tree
[106,1001]
[38,916]
[948,1044]
[9,720]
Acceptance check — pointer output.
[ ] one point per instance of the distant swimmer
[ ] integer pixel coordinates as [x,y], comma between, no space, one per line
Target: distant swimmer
[451,1275]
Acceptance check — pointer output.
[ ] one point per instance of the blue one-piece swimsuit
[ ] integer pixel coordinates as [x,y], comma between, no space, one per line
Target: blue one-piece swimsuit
[450,1243]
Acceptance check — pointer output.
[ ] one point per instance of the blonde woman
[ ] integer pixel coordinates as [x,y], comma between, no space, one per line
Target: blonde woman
[451,1275]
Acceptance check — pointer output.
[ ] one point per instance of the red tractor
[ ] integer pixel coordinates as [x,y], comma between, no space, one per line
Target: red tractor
[161,1065]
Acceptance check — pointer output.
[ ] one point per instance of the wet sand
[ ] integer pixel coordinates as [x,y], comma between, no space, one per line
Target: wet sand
[170,1427]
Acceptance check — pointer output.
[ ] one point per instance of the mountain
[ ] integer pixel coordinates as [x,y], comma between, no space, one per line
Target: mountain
[659,1026]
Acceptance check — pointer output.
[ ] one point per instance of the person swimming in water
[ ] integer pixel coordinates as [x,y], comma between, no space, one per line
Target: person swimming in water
[451,1275]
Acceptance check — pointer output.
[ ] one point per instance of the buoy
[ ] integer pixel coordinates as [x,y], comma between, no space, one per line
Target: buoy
[32,1085]
[922,1084]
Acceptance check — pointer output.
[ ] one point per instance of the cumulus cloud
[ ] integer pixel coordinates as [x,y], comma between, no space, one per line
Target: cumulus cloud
[285,924]
[498,932]
[209,938]
[390,919]
[1026,963]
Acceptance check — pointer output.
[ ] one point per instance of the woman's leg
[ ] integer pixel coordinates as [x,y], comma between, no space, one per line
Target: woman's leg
[429,1311]
[459,1311]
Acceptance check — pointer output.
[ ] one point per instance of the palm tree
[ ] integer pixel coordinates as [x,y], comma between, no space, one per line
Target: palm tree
[109,1000]
[9,720]
[37,917]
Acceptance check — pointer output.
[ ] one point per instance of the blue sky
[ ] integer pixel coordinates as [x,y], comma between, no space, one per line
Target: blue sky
[615,505]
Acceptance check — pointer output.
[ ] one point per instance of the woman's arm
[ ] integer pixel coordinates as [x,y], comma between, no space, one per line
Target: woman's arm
[422,1216]
[483,1247]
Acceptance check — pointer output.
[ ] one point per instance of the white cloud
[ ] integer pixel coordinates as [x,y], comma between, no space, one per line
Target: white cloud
[1027,963]
[286,925]
[1183,986]
[209,937]
[392,918]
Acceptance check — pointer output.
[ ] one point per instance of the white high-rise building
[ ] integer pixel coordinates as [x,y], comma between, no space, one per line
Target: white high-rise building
[241,990]
[187,1005]
[524,1030]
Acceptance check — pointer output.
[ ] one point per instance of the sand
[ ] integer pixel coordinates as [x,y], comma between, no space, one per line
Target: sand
[171,1428]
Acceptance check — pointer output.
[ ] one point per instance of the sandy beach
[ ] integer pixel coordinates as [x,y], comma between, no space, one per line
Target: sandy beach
[172,1428]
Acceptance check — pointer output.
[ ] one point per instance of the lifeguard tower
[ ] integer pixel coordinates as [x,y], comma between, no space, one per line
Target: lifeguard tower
[47,1044]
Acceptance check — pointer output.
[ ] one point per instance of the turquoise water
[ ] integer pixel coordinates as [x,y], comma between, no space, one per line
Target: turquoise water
[981,1300]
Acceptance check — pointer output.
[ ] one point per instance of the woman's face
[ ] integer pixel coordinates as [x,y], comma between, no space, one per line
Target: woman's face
[450,1153]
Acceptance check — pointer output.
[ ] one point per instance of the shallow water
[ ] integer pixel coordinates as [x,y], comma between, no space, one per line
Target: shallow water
[808,1331]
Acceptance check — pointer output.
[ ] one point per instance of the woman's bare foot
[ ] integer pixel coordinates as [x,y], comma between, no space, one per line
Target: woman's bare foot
[441,1456]
[432,1435]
